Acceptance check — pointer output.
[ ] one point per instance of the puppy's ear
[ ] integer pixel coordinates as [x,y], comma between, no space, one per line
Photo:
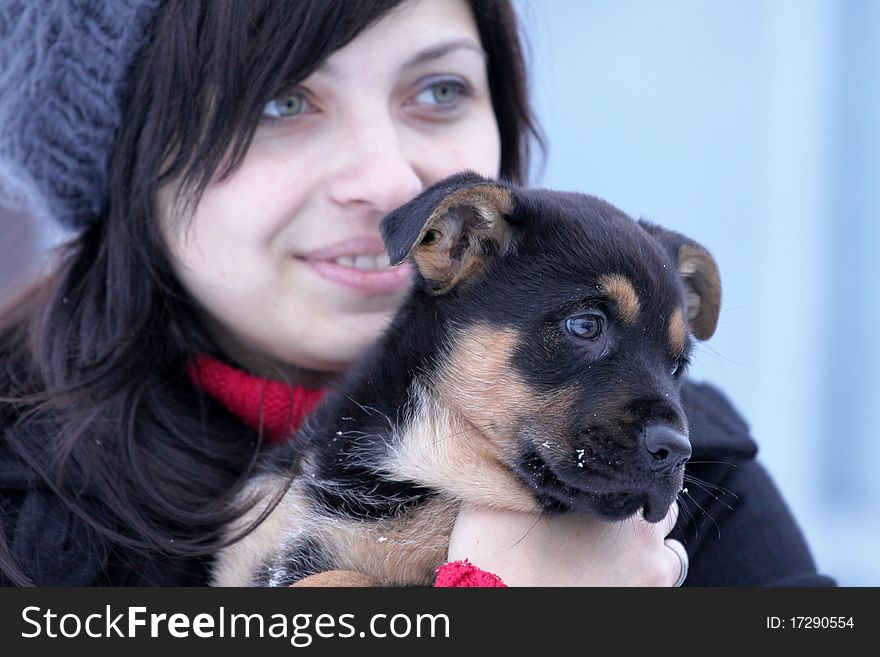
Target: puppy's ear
[450,229]
[699,272]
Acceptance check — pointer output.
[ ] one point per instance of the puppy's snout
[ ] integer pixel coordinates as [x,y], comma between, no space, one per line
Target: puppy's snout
[667,448]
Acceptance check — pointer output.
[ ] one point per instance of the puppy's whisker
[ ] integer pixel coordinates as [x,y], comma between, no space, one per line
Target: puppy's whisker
[478,354]
[684,512]
[732,465]
[620,527]
[705,348]
[464,431]
[689,515]
[540,517]
[373,411]
[706,514]
[717,499]
[703,483]
[632,519]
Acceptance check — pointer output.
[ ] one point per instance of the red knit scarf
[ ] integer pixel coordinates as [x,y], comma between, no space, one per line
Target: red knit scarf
[276,407]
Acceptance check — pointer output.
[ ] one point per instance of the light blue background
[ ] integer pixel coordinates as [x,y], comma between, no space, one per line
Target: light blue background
[752,126]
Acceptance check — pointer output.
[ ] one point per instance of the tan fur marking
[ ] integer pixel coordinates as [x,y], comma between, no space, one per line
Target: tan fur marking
[444,451]
[677,331]
[623,294]
[336,579]
[464,438]
[481,385]
[237,563]
[395,551]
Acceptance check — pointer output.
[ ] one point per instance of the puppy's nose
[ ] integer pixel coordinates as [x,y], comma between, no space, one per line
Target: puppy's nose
[667,448]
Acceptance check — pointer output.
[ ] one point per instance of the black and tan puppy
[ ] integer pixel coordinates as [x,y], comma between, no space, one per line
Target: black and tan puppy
[534,366]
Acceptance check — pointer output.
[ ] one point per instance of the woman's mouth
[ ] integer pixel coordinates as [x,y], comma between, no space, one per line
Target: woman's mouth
[364,262]
[361,265]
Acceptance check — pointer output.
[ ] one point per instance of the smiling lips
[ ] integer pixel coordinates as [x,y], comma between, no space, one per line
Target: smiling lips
[359,264]
[364,262]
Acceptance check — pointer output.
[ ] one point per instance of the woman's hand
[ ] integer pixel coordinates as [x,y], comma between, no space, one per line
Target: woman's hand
[566,550]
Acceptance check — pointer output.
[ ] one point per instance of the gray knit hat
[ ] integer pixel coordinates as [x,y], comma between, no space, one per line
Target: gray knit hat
[63,72]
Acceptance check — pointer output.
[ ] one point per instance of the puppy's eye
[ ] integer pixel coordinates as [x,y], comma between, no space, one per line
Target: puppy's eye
[586,327]
[679,366]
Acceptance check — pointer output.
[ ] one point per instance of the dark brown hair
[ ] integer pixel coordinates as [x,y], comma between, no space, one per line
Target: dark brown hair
[94,356]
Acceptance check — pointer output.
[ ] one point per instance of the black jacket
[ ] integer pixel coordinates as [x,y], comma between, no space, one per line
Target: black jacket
[737,529]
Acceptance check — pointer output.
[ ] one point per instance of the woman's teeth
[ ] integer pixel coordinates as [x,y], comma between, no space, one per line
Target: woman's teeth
[364,262]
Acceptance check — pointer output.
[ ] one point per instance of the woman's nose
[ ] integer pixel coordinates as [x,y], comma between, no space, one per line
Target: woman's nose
[373,169]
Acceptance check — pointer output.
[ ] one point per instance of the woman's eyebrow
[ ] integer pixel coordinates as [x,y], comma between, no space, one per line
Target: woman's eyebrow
[426,55]
[441,49]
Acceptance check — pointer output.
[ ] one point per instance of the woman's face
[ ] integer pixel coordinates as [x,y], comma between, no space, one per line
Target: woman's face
[284,257]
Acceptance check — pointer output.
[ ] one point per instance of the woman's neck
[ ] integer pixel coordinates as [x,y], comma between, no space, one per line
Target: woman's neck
[265,366]
[278,371]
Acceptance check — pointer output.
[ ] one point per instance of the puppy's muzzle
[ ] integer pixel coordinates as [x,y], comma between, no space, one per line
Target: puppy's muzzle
[666,448]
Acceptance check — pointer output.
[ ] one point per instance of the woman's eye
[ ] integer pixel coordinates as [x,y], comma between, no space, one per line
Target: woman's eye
[443,93]
[286,106]
[586,327]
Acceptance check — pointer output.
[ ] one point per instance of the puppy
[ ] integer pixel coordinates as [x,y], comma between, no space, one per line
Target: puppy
[534,366]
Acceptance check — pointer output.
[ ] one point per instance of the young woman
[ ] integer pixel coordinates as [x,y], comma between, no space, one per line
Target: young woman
[223,167]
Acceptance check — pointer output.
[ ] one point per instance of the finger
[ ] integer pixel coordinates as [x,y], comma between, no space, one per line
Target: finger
[676,556]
